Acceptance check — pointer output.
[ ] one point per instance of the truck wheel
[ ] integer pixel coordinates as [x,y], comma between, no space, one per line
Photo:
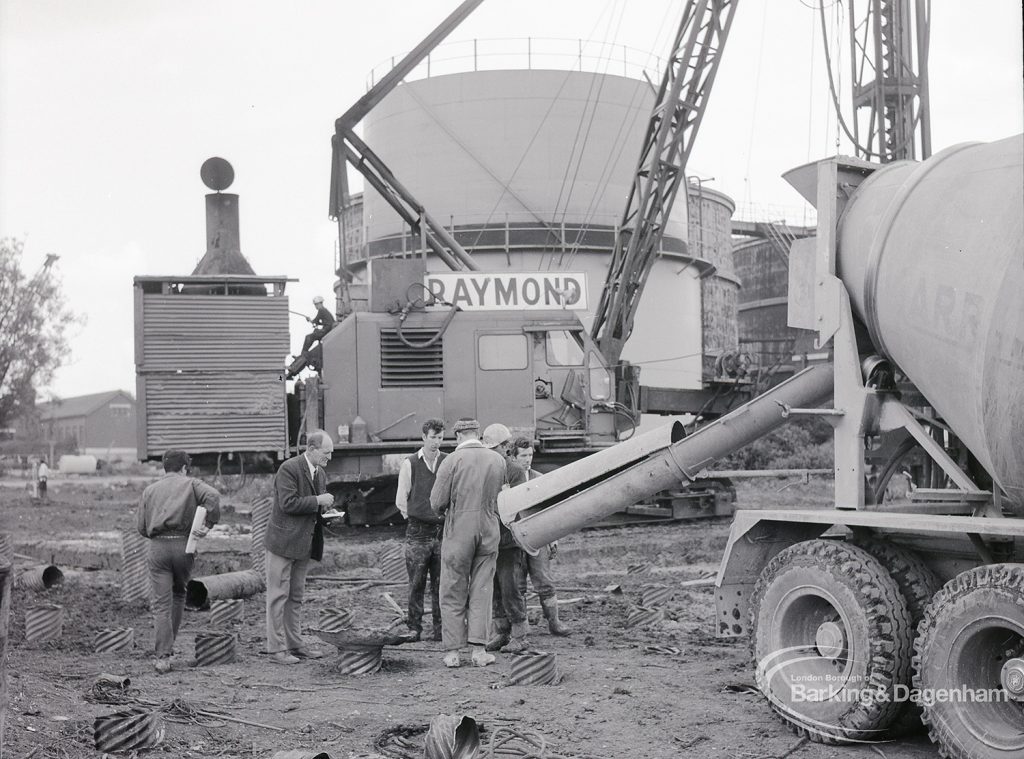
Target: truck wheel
[918,584]
[970,664]
[830,639]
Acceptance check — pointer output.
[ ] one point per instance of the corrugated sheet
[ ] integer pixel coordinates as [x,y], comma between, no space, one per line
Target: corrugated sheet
[215,332]
[211,412]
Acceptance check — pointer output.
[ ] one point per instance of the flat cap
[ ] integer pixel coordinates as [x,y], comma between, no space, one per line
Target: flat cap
[466,424]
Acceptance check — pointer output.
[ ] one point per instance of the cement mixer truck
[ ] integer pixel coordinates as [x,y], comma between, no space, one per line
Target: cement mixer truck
[867,618]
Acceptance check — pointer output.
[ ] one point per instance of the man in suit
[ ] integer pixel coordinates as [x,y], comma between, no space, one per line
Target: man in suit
[294,536]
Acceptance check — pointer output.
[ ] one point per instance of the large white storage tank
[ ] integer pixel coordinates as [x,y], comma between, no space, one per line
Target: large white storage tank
[531,170]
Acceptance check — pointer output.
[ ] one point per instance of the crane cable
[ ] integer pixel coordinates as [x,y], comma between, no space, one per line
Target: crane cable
[593,102]
[600,185]
[526,152]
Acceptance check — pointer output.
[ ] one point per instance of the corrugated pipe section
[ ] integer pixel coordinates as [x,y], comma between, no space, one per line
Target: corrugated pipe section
[225,611]
[361,660]
[452,738]
[44,622]
[130,730]
[215,648]
[40,578]
[533,668]
[135,582]
[204,590]
[259,517]
[114,639]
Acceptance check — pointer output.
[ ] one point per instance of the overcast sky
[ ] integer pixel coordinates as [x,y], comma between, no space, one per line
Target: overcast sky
[109,107]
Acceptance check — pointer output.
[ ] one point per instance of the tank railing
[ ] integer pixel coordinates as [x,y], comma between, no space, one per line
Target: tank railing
[529,53]
[760,213]
[559,239]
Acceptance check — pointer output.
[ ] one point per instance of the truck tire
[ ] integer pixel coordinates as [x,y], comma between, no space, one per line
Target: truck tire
[831,638]
[972,634]
[918,584]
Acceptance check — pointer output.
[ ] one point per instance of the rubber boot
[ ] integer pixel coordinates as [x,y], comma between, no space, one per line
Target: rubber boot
[517,642]
[555,626]
[501,634]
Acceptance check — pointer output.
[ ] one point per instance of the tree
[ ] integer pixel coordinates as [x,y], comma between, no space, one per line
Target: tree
[33,322]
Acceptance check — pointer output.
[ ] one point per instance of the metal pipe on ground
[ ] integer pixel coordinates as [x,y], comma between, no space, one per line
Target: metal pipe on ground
[40,578]
[581,493]
[202,590]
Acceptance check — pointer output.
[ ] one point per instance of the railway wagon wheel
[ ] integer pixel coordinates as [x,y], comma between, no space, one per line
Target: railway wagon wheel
[969,658]
[831,639]
[918,584]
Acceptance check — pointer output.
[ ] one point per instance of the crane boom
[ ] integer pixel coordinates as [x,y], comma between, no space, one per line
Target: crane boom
[678,110]
[346,145]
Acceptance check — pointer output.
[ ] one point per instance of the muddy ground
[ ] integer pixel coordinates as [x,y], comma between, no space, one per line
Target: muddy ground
[670,690]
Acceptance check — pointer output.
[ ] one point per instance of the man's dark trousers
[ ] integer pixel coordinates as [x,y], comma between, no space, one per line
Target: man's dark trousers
[423,557]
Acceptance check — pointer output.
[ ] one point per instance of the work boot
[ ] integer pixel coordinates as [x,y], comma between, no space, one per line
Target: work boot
[555,626]
[436,634]
[452,659]
[500,636]
[481,658]
[517,642]
[411,634]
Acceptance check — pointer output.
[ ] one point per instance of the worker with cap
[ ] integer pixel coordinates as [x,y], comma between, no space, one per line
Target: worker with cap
[510,626]
[322,323]
[465,491]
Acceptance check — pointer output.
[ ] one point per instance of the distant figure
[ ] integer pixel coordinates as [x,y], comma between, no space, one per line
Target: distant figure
[424,529]
[466,493]
[322,323]
[42,474]
[294,536]
[165,516]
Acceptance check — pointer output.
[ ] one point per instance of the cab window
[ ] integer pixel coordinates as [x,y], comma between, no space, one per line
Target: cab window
[561,349]
[498,352]
[600,379]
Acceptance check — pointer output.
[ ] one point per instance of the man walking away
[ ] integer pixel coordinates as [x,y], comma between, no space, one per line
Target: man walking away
[423,531]
[466,491]
[165,516]
[539,566]
[294,536]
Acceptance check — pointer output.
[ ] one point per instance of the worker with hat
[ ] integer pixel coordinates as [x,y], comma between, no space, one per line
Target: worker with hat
[322,323]
[465,491]
[510,626]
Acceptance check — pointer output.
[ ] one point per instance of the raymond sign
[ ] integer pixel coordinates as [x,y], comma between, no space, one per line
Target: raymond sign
[510,290]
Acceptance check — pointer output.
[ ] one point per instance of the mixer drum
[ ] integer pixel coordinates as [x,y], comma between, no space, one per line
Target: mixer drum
[932,254]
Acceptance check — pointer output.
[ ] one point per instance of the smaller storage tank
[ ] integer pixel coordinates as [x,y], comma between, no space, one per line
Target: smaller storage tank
[709,213]
[763,270]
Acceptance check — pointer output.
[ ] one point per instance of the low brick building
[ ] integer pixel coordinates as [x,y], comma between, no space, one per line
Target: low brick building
[101,424]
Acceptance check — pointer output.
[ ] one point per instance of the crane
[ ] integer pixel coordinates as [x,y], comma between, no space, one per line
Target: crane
[678,110]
